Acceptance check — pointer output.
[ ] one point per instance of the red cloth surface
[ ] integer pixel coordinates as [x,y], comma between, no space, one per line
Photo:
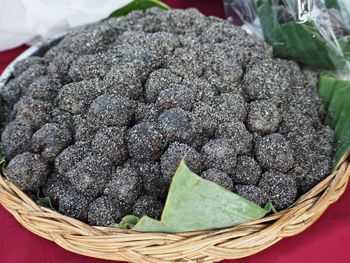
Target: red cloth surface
[328,240]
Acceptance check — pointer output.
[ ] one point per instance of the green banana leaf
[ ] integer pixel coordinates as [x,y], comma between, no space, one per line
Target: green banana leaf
[128,222]
[331,4]
[345,46]
[336,95]
[197,204]
[300,42]
[138,5]
[45,201]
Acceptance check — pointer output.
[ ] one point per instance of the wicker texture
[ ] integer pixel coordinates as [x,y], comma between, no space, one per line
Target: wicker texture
[204,246]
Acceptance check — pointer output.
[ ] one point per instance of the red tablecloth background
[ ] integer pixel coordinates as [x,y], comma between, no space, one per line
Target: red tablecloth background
[328,240]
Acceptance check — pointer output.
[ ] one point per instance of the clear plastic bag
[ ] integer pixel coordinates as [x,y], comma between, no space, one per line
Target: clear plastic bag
[312,32]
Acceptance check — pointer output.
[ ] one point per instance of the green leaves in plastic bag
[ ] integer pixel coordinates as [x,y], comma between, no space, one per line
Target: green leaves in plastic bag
[138,5]
[331,4]
[303,43]
[300,42]
[336,95]
[197,204]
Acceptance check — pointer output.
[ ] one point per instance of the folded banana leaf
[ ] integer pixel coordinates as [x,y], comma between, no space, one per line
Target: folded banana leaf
[197,204]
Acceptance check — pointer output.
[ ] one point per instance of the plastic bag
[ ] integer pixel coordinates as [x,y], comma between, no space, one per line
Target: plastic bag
[312,32]
[23,21]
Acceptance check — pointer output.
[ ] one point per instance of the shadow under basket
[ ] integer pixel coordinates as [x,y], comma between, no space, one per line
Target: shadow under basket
[203,246]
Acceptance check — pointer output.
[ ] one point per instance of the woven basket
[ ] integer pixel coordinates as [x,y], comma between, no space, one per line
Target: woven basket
[205,246]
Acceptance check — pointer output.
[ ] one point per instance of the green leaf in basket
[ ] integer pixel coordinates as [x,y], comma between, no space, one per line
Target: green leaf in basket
[128,222]
[147,224]
[269,207]
[45,201]
[336,95]
[139,5]
[197,204]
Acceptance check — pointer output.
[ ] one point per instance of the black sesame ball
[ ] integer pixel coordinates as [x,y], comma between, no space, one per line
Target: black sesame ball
[252,193]
[263,117]
[109,142]
[273,152]
[35,112]
[159,80]
[50,140]
[90,175]
[324,141]
[54,188]
[247,171]
[225,76]
[123,81]
[281,188]
[59,67]
[267,79]
[44,88]
[176,97]
[84,129]
[218,177]
[31,74]
[148,205]
[146,112]
[125,185]
[16,138]
[172,157]
[152,179]
[110,110]
[105,211]
[27,171]
[176,125]
[145,142]
[185,62]
[24,64]
[77,97]
[11,92]
[89,67]
[86,42]
[229,106]
[70,156]
[319,167]
[207,122]
[72,203]
[236,132]
[219,154]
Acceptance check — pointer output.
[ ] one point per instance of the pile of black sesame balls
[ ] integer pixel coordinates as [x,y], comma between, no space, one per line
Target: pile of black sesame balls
[101,120]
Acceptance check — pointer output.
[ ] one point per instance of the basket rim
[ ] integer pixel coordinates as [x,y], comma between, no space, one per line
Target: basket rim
[199,246]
